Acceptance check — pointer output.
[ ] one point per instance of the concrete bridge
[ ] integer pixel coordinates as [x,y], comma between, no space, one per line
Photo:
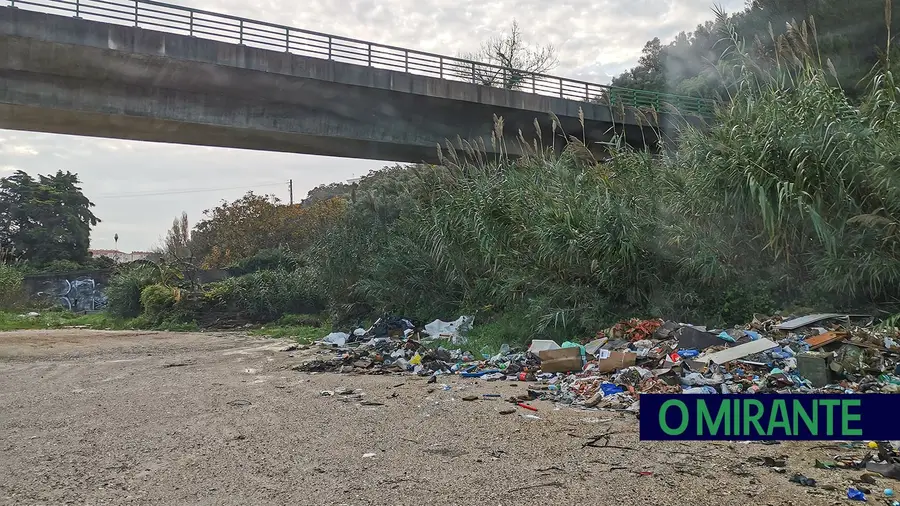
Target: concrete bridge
[150,71]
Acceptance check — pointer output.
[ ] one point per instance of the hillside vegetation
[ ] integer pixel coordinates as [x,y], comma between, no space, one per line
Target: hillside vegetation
[789,199]
[850,35]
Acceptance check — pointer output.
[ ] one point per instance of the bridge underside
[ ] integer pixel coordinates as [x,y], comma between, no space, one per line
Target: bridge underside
[60,75]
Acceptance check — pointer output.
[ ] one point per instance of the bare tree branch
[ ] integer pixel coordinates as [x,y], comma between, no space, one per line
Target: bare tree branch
[517,60]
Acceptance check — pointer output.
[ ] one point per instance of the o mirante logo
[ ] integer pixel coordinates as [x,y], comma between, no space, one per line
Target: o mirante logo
[769,416]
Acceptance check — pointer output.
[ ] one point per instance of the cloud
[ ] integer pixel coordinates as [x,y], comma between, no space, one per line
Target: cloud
[18,150]
[135,185]
[593,36]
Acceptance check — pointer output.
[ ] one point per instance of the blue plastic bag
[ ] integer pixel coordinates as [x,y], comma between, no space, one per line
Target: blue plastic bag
[610,389]
[855,495]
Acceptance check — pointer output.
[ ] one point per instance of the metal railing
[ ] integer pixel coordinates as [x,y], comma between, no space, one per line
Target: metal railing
[232,29]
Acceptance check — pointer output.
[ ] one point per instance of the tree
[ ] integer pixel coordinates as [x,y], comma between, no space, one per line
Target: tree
[324,192]
[509,61]
[44,220]
[846,34]
[177,245]
[649,74]
[241,229]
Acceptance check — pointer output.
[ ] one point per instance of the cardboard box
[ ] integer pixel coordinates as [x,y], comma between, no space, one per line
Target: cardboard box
[561,360]
[614,361]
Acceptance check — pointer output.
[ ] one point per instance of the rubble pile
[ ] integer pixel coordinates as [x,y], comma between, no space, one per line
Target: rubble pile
[825,353]
[822,353]
[394,345]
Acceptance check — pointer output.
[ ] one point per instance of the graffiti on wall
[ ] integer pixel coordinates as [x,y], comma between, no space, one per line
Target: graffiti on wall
[82,293]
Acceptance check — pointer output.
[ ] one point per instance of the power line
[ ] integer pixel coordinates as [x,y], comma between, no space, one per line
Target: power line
[181,191]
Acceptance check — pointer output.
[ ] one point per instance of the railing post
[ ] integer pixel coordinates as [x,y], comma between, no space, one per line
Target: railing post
[329,47]
[561,95]
[473,72]
[534,83]
[587,93]
[191,25]
[369,53]
[12,4]
[287,40]
[440,67]
[241,32]
[406,60]
[136,12]
[77,8]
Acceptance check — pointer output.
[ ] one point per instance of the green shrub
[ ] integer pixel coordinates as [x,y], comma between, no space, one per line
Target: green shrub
[11,289]
[266,295]
[156,299]
[57,266]
[124,289]
[268,259]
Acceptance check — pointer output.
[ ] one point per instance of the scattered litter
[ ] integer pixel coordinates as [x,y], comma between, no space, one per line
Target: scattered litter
[803,480]
[855,495]
[178,364]
[453,331]
[336,338]
[820,353]
[368,455]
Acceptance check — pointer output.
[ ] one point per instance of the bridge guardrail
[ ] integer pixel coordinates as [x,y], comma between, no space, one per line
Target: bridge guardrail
[182,20]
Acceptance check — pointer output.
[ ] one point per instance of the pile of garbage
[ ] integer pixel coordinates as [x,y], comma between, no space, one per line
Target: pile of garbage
[394,345]
[824,353]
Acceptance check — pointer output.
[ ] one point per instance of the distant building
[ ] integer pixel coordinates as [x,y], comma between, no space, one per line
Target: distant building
[121,256]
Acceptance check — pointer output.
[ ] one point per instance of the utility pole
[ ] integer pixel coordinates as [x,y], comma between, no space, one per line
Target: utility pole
[291,191]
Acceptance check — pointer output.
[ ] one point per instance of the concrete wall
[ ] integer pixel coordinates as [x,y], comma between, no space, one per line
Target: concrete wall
[68,75]
[76,291]
[85,290]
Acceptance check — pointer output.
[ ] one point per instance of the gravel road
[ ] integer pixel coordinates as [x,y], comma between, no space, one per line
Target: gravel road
[90,417]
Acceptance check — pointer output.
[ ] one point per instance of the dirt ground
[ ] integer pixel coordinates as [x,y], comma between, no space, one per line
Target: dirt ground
[90,417]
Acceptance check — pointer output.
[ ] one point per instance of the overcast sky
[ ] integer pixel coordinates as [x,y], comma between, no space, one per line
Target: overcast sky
[140,187]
